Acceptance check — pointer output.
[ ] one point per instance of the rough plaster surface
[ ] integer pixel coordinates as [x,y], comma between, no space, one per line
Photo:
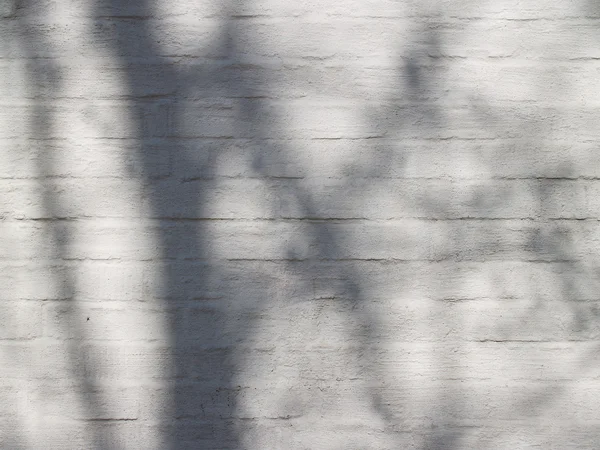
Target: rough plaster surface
[315,224]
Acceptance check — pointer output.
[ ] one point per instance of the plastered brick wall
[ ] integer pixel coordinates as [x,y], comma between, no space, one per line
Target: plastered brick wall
[312,224]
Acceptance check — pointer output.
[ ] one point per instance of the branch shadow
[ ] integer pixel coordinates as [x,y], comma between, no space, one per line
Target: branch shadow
[214,319]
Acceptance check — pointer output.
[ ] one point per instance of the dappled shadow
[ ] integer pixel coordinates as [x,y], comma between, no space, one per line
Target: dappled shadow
[328,236]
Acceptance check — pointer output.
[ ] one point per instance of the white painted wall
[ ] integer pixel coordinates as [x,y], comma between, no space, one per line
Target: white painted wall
[299,225]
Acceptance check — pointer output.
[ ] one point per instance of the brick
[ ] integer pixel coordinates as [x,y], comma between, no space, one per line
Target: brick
[20,320]
[200,401]
[231,199]
[415,79]
[91,321]
[17,360]
[184,281]
[385,158]
[506,9]
[348,199]
[189,434]
[310,38]
[93,239]
[299,225]
[104,81]
[62,434]
[98,280]
[211,366]
[95,120]
[423,320]
[408,362]
[34,281]
[11,433]
[206,159]
[304,120]
[102,361]
[404,239]
[500,158]
[67,199]
[80,159]
[402,282]
[65,400]
[13,395]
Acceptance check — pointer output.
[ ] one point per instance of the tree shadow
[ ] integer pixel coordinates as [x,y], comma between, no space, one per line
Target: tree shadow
[218,297]
[205,350]
[52,227]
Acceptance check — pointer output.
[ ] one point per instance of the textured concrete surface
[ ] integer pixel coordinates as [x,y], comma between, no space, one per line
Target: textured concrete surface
[360,224]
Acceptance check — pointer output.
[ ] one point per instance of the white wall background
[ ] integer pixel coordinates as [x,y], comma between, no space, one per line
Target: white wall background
[312,224]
